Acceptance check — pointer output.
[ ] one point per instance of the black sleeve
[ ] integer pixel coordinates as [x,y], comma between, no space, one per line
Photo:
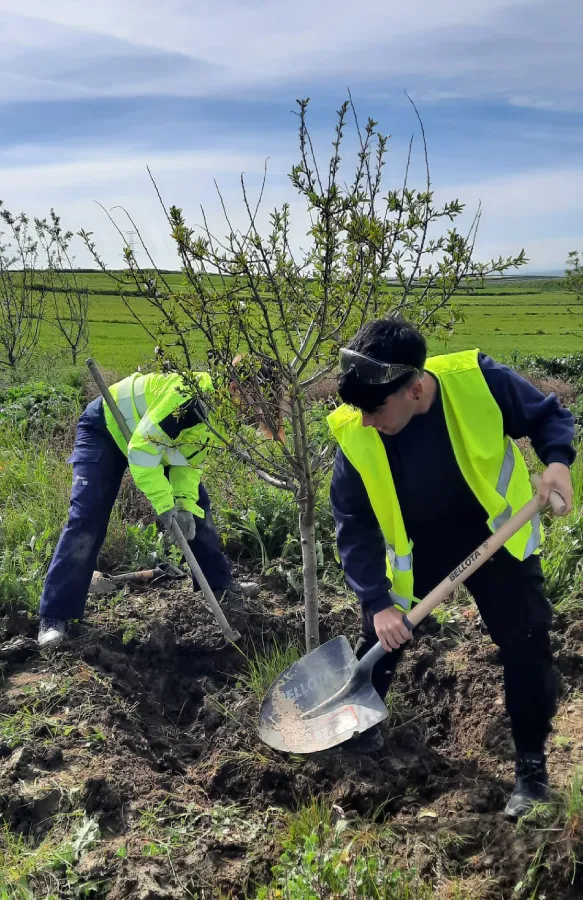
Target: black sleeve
[527,412]
[191,413]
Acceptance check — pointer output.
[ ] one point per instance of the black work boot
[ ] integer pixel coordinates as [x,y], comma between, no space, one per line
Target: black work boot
[532,784]
[370,741]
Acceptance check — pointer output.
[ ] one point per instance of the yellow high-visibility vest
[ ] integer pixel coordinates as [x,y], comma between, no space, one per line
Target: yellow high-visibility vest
[489,460]
[144,401]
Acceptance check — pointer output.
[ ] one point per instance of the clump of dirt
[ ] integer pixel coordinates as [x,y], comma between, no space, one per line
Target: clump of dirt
[145,722]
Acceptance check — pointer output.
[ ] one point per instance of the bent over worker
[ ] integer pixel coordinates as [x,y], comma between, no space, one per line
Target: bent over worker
[169,441]
[426,470]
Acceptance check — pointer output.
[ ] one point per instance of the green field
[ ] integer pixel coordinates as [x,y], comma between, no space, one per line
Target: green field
[524,315]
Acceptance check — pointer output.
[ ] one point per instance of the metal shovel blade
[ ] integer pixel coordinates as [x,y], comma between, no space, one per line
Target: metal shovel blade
[320,701]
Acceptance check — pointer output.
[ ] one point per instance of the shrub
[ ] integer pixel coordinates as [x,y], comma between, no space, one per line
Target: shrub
[262,521]
[324,859]
[39,407]
[568,367]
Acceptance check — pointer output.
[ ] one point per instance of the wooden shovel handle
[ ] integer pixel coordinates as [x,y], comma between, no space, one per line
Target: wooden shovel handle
[482,554]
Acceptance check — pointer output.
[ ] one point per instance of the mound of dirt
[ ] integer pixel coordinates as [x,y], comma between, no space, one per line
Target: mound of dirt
[145,721]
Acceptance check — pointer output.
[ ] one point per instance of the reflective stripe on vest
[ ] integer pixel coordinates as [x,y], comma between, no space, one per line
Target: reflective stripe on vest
[130,394]
[535,539]
[401,563]
[145,459]
[503,484]
[404,602]
[125,403]
[154,434]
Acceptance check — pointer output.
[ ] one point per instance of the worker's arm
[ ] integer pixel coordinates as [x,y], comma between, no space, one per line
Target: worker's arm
[359,538]
[527,412]
[157,432]
[193,441]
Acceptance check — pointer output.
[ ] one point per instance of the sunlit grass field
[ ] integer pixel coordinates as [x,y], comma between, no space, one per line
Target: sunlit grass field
[524,315]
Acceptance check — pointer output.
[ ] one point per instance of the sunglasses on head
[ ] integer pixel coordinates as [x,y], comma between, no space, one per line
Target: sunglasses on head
[371,371]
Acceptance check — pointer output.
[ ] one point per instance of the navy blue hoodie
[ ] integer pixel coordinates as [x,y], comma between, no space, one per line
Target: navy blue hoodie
[433,495]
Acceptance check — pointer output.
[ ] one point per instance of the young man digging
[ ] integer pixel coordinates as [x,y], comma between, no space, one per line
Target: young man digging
[427,464]
[170,440]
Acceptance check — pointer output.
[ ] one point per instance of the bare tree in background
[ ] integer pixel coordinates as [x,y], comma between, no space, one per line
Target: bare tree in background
[269,320]
[22,290]
[69,297]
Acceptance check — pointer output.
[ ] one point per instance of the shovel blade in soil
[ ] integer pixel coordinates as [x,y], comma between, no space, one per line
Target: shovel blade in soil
[319,702]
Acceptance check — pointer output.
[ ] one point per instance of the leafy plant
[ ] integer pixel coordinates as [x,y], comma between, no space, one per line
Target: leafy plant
[326,862]
[569,367]
[38,406]
[49,868]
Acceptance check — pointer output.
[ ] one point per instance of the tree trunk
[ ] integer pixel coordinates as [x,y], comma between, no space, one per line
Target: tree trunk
[310,571]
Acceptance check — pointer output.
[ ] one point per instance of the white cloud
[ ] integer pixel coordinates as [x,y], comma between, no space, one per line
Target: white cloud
[539,210]
[536,210]
[529,195]
[522,50]
[79,186]
[520,53]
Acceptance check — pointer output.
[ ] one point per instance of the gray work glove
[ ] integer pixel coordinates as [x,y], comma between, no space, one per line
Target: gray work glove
[168,517]
[187,523]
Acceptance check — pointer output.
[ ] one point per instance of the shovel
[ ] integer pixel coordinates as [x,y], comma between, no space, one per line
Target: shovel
[327,697]
[229,633]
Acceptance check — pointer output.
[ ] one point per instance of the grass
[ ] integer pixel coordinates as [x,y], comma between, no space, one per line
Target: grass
[525,315]
[323,859]
[560,823]
[327,855]
[563,551]
[34,497]
[35,486]
[265,664]
[47,868]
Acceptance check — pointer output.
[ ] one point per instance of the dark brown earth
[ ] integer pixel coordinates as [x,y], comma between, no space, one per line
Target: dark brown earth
[145,723]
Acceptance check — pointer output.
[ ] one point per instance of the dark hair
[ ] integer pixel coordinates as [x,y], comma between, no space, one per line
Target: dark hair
[389,340]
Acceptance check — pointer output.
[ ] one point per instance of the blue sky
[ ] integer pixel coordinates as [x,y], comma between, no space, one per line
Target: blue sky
[90,93]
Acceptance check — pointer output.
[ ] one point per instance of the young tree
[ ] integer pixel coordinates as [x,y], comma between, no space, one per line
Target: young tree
[22,290]
[270,318]
[574,274]
[69,298]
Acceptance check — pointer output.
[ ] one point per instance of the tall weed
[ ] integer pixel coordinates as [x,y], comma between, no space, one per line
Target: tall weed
[34,492]
[35,486]
[323,858]
[563,550]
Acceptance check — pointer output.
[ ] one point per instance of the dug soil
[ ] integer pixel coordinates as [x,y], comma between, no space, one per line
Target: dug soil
[145,721]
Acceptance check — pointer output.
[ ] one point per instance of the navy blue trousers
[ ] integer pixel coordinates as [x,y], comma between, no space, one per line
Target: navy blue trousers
[98,467]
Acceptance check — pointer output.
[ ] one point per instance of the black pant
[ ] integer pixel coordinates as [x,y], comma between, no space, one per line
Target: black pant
[511,600]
